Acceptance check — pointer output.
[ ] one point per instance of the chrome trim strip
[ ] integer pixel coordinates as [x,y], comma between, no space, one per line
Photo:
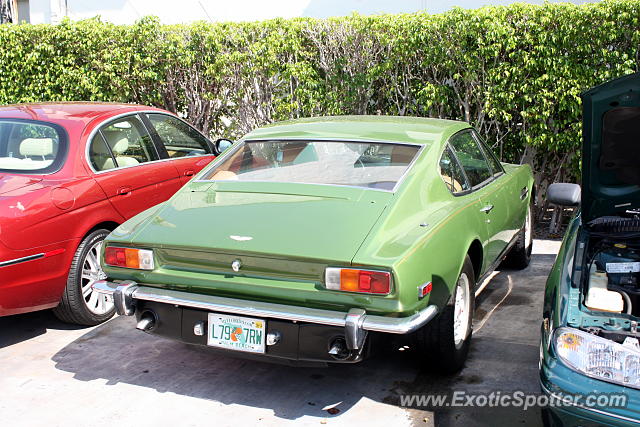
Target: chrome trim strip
[241,143]
[23,259]
[367,322]
[586,408]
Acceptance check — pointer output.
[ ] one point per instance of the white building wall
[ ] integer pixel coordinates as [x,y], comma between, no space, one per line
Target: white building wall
[173,12]
[39,11]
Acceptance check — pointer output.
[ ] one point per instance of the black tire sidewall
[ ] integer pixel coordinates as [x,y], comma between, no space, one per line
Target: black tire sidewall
[75,273]
[436,341]
[73,308]
[519,255]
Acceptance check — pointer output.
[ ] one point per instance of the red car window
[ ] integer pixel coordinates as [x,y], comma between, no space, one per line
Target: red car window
[122,143]
[178,138]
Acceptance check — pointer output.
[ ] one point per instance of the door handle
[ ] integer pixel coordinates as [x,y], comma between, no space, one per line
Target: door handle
[123,191]
[188,173]
[523,193]
[487,209]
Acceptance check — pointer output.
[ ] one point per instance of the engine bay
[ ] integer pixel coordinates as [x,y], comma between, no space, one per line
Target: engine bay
[611,279]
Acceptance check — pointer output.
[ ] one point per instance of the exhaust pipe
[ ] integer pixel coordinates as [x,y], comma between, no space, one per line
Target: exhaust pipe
[147,321]
[338,349]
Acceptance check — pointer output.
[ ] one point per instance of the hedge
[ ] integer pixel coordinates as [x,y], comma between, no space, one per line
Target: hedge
[515,72]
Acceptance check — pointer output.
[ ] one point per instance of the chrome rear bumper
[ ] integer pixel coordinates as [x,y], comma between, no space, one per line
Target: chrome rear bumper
[356,321]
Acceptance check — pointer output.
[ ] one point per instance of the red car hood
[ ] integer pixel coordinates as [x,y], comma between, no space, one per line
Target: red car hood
[12,182]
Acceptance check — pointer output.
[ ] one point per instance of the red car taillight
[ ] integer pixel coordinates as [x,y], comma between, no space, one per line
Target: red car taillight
[141,259]
[355,280]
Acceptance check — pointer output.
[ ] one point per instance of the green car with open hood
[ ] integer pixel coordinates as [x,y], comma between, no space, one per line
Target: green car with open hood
[309,238]
[590,344]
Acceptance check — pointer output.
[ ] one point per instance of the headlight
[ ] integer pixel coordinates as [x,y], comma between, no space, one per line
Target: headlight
[598,357]
[141,259]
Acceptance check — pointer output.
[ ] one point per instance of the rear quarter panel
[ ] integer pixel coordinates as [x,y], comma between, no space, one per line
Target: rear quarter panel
[427,232]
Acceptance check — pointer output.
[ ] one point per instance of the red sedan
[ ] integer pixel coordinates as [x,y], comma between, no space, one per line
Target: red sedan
[69,174]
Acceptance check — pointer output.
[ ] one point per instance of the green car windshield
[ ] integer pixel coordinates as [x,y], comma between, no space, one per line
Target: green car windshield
[360,164]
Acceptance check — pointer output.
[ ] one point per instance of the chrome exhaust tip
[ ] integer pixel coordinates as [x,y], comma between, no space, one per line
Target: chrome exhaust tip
[147,321]
[338,349]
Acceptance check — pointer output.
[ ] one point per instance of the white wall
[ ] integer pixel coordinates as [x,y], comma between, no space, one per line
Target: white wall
[171,12]
[39,12]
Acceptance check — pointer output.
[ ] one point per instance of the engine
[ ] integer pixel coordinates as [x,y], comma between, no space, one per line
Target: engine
[614,266]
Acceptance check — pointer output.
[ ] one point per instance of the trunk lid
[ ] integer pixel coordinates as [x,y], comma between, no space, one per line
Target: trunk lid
[285,221]
[611,148]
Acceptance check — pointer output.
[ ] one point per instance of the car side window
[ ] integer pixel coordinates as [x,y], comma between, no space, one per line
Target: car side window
[178,138]
[496,166]
[122,143]
[471,158]
[451,173]
[100,156]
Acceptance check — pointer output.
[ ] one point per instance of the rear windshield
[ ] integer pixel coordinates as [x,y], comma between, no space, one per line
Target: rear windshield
[29,146]
[360,164]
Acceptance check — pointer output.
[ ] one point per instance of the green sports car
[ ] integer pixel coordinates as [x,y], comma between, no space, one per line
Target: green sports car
[309,238]
[590,344]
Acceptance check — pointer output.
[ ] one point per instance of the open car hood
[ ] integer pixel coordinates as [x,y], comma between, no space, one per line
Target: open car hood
[611,148]
[12,182]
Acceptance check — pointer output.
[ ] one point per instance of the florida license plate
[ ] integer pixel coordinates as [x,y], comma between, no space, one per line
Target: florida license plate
[236,333]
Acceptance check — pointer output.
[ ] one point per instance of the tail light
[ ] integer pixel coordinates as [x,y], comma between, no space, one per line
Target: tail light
[354,280]
[141,259]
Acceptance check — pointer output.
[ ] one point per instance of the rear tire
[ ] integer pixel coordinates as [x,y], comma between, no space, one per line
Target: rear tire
[519,256]
[444,342]
[79,303]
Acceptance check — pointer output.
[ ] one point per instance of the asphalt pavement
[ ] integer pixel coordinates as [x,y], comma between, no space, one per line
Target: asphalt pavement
[53,374]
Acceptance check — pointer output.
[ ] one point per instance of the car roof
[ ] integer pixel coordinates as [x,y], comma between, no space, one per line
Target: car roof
[63,112]
[413,130]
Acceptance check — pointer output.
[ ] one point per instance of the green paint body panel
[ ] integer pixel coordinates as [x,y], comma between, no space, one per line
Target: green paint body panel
[297,230]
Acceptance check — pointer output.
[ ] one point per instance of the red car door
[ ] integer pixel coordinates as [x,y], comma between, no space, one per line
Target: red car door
[125,161]
[189,150]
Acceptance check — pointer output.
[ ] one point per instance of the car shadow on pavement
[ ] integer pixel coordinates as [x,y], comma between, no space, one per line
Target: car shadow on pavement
[22,327]
[503,358]
[119,353]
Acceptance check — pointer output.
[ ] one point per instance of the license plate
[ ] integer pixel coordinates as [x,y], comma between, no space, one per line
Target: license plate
[236,333]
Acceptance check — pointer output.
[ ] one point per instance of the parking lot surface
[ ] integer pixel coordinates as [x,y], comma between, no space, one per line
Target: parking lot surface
[55,374]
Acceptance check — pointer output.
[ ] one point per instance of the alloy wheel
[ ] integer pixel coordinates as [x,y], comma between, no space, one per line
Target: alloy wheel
[528,234]
[461,310]
[91,272]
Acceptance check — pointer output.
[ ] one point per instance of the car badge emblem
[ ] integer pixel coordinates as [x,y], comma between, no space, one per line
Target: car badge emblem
[241,238]
[236,264]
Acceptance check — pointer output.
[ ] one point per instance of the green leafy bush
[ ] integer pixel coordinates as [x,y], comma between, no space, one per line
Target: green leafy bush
[514,72]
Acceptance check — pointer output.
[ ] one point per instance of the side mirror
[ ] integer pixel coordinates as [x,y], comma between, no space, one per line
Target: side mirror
[222,144]
[564,194]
